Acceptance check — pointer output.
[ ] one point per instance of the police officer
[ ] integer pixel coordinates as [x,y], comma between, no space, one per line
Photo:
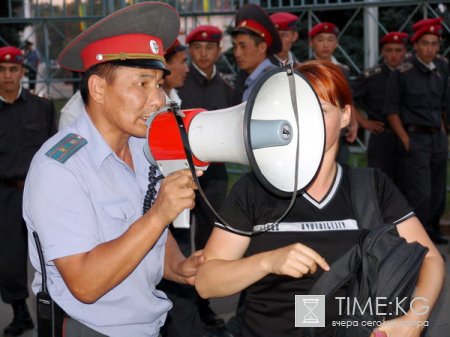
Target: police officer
[254,39]
[323,40]
[416,104]
[100,212]
[286,24]
[205,88]
[369,90]
[26,122]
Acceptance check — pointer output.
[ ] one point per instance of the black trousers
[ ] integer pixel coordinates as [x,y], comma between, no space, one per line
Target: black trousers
[424,179]
[383,152]
[13,246]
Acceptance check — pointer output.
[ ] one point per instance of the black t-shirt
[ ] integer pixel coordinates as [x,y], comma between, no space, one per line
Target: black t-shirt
[327,226]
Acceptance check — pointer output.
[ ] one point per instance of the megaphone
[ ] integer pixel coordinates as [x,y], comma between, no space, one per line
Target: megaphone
[262,133]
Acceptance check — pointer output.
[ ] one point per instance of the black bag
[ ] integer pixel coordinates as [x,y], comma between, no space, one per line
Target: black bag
[382,265]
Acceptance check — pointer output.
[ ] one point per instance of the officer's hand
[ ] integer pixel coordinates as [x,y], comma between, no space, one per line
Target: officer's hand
[406,144]
[294,260]
[352,132]
[176,193]
[374,126]
[188,268]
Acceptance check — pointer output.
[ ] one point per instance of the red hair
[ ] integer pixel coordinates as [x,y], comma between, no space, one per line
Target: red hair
[328,81]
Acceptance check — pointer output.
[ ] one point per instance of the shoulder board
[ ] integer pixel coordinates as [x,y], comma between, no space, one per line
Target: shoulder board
[40,95]
[405,66]
[442,58]
[371,71]
[66,147]
[228,81]
[344,66]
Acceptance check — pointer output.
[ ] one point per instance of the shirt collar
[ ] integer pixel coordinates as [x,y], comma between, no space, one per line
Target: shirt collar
[203,73]
[333,59]
[258,70]
[21,94]
[430,66]
[99,150]
[173,96]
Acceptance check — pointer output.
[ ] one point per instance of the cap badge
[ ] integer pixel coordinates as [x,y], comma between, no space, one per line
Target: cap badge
[395,37]
[7,57]
[432,29]
[204,34]
[99,57]
[325,27]
[154,46]
[244,23]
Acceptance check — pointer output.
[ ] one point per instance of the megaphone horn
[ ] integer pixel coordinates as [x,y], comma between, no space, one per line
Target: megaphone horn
[261,132]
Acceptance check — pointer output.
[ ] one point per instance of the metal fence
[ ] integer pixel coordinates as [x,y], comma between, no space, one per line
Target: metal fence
[52,23]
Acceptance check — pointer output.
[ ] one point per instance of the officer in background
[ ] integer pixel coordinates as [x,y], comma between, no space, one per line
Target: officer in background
[323,40]
[205,88]
[369,91]
[416,106]
[255,39]
[286,24]
[26,122]
[32,59]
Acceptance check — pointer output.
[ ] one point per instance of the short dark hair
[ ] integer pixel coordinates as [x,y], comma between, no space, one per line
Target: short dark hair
[104,70]
[258,39]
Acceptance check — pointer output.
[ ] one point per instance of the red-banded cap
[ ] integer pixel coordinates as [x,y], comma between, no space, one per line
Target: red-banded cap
[205,33]
[323,27]
[395,37]
[430,29]
[284,21]
[252,18]
[11,55]
[136,35]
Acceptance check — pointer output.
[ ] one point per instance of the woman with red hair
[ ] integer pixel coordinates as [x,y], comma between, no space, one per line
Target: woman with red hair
[285,261]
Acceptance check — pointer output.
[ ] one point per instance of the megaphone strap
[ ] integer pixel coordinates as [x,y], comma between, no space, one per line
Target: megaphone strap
[189,157]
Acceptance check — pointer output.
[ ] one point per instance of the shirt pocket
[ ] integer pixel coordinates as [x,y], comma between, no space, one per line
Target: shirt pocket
[118,216]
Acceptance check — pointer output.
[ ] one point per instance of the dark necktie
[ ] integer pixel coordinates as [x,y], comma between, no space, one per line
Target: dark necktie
[150,196]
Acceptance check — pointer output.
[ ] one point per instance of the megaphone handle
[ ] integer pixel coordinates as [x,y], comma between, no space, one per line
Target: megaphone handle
[183,219]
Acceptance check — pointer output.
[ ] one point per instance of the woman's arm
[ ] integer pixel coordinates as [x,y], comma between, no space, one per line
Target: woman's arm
[226,272]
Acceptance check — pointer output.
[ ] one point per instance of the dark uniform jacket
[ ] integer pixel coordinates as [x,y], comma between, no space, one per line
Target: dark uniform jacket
[199,92]
[369,90]
[418,94]
[24,126]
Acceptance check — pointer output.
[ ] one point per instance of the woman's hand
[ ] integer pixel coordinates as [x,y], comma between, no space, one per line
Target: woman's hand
[404,326]
[295,260]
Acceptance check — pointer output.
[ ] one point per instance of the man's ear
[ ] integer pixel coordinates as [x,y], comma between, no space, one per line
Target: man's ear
[96,85]
[262,47]
[346,115]
[295,37]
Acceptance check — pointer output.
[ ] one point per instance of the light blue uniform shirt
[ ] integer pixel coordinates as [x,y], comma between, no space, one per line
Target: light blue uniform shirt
[250,82]
[90,199]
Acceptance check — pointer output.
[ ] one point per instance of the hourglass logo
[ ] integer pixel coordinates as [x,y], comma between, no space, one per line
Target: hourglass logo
[309,310]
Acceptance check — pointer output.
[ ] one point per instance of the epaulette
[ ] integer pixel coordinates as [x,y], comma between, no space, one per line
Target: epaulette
[442,58]
[66,147]
[405,66]
[227,80]
[40,95]
[346,67]
[372,71]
